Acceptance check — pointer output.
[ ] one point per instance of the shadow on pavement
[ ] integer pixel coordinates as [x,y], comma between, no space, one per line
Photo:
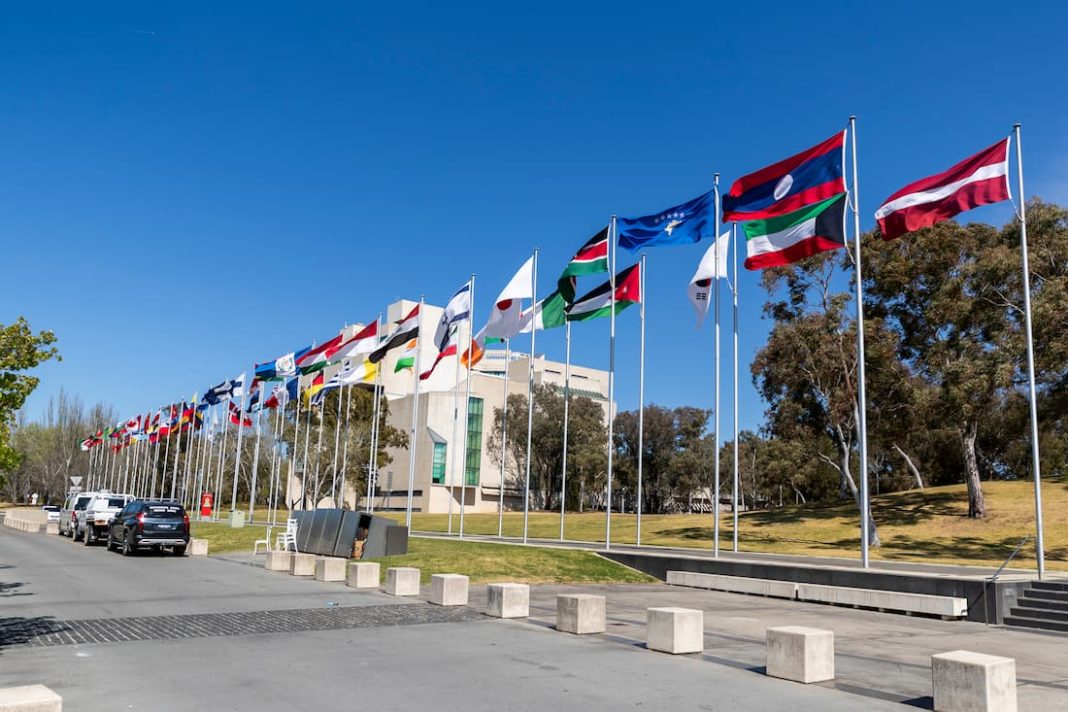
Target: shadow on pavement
[20,631]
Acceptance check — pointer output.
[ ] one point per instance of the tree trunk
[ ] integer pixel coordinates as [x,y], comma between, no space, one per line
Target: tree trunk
[844,467]
[912,467]
[976,502]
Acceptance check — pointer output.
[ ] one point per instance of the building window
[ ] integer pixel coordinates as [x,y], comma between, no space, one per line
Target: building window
[473,467]
[437,471]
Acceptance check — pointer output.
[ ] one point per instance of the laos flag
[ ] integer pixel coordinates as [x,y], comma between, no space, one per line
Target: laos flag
[809,177]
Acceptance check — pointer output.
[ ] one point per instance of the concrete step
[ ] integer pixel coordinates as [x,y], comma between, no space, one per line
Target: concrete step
[1037,623]
[1049,594]
[1026,599]
[1050,585]
[1040,613]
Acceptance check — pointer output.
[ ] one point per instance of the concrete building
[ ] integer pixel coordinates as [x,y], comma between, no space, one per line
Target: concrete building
[452,469]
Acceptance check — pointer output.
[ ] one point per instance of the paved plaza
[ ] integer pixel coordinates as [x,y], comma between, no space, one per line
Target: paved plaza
[164,633]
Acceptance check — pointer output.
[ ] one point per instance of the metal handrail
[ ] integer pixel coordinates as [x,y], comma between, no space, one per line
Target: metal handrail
[1012,556]
[993,579]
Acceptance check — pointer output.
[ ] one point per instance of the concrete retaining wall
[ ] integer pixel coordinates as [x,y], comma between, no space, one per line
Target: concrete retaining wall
[733,584]
[987,603]
[26,520]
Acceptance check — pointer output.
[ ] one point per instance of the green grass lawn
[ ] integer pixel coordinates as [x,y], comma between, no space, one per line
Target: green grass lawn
[926,526]
[487,563]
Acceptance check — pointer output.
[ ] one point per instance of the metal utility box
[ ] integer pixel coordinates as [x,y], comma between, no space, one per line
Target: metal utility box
[340,532]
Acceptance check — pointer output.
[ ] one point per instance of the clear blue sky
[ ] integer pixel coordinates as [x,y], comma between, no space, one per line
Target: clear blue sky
[188,188]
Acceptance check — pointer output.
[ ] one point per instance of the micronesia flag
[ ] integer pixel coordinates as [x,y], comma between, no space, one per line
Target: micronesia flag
[809,177]
[681,225]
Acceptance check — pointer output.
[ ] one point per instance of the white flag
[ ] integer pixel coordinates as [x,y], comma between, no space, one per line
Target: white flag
[713,265]
[505,318]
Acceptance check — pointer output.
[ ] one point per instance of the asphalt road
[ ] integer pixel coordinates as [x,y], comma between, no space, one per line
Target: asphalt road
[164,633]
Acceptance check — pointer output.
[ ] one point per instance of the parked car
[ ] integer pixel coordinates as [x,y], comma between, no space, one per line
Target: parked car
[68,516]
[53,512]
[144,524]
[93,521]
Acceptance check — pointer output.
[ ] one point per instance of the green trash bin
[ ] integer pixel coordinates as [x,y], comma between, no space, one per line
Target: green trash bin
[237,519]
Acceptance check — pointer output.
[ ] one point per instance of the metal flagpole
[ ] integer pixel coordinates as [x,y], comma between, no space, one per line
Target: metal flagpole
[166,453]
[530,393]
[255,460]
[155,462]
[240,433]
[177,453]
[715,385]
[567,415]
[413,441]
[293,454]
[372,455]
[611,380]
[734,298]
[504,434]
[862,418]
[345,448]
[276,466]
[319,445]
[337,446]
[641,398]
[1036,464]
[222,461]
[190,449]
[454,447]
[304,465]
[467,406]
[126,469]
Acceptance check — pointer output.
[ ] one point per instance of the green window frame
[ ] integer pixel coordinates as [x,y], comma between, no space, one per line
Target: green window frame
[437,470]
[473,460]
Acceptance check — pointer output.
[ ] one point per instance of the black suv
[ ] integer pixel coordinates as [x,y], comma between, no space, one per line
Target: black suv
[144,524]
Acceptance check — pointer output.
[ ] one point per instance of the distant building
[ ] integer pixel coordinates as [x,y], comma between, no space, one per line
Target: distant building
[447,467]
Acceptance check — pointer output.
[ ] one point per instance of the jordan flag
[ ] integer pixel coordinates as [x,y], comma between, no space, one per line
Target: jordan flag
[600,301]
[978,180]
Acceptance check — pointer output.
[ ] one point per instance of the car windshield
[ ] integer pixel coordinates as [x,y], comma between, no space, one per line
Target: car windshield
[163,511]
[82,501]
[50,508]
[114,502]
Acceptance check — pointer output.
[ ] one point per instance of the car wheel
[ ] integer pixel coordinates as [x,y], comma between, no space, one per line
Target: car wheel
[179,551]
[77,534]
[127,550]
[88,536]
[111,541]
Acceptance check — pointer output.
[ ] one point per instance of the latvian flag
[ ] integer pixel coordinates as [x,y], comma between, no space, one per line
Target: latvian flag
[978,180]
[591,258]
[808,177]
[782,240]
[600,301]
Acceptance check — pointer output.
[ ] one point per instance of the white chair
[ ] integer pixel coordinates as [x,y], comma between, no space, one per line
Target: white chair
[287,538]
[266,543]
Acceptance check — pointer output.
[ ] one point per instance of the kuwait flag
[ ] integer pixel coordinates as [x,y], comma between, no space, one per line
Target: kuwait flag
[978,180]
[809,177]
[591,258]
[600,301]
[788,238]
[402,333]
[316,358]
[363,342]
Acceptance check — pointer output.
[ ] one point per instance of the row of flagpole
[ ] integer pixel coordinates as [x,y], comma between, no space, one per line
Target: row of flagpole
[143,477]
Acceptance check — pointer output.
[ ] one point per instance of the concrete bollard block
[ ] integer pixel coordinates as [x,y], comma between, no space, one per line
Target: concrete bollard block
[302,564]
[963,681]
[30,698]
[330,568]
[278,561]
[402,581]
[800,654]
[448,589]
[675,630]
[364,574]
[580,613]
[52,528]
[198,547]
[508,600]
